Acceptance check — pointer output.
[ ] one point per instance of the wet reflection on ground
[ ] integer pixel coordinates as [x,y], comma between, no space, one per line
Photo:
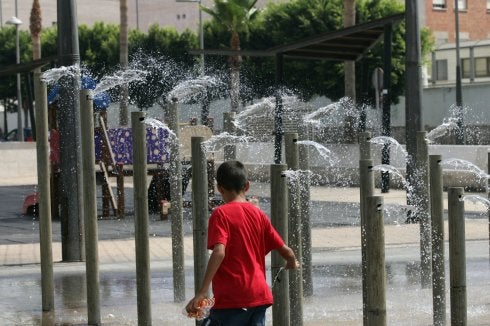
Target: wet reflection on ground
[337,297]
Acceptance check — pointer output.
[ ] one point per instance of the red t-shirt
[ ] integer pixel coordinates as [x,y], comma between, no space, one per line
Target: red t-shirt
[248,236]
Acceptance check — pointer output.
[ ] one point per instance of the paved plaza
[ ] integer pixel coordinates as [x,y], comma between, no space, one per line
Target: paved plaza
[337,298]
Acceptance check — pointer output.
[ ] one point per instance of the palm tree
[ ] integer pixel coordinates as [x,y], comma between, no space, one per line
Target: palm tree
[350,74]
[349,66]
[235,17]
[35,29]
[123,60]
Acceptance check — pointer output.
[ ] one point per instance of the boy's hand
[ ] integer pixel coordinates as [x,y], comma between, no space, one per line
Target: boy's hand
[292,264]
[193,305]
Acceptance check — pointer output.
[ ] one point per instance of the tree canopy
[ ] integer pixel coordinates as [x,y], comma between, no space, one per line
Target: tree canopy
[276,24]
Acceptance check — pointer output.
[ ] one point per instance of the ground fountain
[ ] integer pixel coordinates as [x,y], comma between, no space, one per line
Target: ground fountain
[336,273]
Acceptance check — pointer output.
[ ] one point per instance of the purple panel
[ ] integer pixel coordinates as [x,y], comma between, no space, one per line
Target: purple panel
[121,140]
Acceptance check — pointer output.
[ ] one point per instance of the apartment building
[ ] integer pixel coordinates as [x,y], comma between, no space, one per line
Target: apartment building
[180,14]
[474,34]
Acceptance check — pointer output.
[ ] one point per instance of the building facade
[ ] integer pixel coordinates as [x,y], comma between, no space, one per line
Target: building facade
[474,35]
[180,14]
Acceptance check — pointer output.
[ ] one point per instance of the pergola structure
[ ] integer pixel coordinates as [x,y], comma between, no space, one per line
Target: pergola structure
[347,44]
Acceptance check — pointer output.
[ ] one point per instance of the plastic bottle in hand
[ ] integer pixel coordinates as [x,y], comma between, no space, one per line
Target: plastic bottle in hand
[204,307]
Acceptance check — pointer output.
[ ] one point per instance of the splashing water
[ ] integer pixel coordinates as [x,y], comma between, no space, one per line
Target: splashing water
[52,76]
[463,165]
[442,130]
[216,142]
[276,278]
[120,77]
[264,108]
[385,140]
[324,152]
[193,89]
[157,124]
[475,199]
[394,171]
[314,117]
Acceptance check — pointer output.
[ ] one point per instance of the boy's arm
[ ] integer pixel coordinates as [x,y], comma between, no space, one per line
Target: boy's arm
[288,255]
[214,263]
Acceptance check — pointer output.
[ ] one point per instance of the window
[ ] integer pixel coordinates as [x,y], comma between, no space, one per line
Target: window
[466,68]
[482,67]
[439,4]
[441,69]
[462,5]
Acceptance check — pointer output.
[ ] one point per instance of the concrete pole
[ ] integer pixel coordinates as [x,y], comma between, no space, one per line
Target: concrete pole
[176,202]
[43,170]
[229,127]
[200,211]
[279,213]
[422,204]
[366,189]
[304,194]
[437,229]
[488,210]
[294,231]
[141,219]
[90,209]
[364,145]
[457,256]
[375,268]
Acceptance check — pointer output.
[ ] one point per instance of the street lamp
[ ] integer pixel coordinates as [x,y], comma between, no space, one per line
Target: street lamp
[459,97]
[17,22]
[201,33]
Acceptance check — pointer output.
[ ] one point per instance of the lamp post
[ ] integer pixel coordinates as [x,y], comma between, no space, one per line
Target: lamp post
[459,97]
[201,33]
[17,22]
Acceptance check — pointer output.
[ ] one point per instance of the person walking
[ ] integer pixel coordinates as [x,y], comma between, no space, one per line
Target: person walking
[240,235]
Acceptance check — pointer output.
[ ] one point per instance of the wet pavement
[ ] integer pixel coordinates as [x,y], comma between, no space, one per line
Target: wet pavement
[337,298]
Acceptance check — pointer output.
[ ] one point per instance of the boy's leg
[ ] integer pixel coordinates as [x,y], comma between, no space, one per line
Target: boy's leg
[257,317]
[236,317]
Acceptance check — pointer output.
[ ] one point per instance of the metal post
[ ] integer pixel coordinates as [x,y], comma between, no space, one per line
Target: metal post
[90,210]
[279,212]
[176,202]
[141,219]
[294,230]
[413,94]
[200,211]
[422,203]
[201,39]
[68,116]
[20,131]
[304,194]
[229,151]
[121,203]
[43,170]
[459,95]
[278,128]
[437,229]
[366,189]
[375,268]
[488,209]
[457,256]
[386,118]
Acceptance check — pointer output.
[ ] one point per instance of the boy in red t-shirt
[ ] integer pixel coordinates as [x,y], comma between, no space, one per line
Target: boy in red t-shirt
[240,235]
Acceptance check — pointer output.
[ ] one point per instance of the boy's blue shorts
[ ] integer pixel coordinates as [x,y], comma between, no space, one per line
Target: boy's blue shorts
[254,316]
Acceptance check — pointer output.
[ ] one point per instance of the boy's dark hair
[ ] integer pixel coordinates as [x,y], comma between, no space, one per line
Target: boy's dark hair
[232,176]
